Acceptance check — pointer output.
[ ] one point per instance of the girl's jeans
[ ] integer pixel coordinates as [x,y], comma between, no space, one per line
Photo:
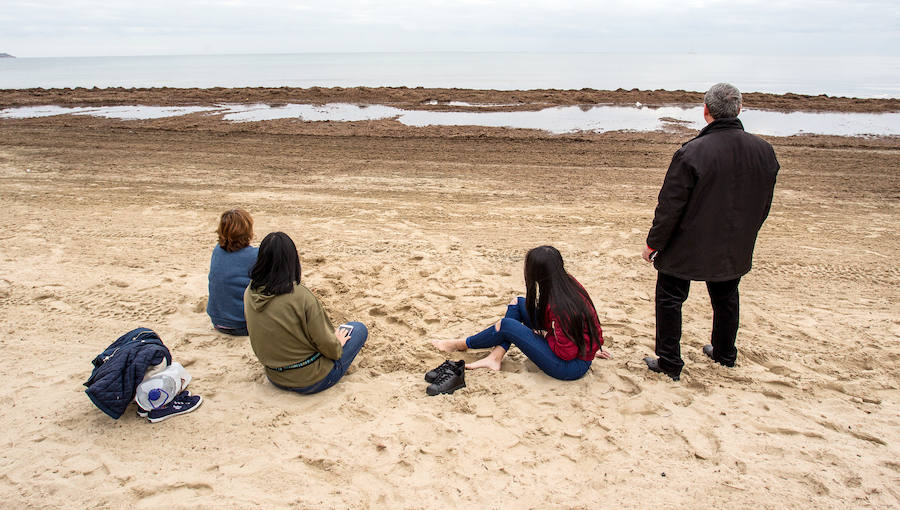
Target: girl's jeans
[232,331]
[351,349]
[515,328]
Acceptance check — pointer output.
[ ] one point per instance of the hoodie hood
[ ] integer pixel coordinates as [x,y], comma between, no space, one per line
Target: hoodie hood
[258,300]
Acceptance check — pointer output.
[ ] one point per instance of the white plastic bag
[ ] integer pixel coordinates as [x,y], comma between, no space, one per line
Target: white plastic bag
[157,390]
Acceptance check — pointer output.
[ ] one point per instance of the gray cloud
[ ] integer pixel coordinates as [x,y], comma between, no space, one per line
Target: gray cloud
[86,27]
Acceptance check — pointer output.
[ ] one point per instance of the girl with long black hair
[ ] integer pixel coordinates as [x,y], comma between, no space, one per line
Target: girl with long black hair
[290,332]
[555,324]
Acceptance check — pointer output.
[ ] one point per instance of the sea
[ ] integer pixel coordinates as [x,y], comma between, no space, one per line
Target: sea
[848,76]
[862,77]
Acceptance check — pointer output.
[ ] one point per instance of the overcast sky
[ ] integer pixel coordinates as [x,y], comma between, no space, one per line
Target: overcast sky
[37,28]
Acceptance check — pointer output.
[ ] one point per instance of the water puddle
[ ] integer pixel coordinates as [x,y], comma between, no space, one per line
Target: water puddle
[562,119]
[142,112]
[110,112]
[557,120]
[334,112]
[34,112]
[435,102]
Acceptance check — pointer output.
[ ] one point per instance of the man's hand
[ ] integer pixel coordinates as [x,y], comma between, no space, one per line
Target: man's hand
[647,253]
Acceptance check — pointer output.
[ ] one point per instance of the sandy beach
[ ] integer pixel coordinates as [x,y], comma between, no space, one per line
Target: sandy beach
[420,233]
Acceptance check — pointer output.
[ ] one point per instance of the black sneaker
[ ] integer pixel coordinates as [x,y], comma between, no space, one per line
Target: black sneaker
[183,403]
[653,365]
[449,380]
[431,375]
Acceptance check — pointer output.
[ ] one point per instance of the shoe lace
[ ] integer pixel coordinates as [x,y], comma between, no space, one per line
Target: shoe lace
[446,365]
[444,375]
[181,401]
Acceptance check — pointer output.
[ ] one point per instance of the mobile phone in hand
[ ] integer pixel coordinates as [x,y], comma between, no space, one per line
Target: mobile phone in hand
[346,328]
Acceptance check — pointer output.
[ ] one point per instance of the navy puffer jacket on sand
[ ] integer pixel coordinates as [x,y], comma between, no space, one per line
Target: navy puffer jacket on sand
[120,368]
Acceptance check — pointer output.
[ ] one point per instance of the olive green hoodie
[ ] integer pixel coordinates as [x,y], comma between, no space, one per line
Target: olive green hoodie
[287,329]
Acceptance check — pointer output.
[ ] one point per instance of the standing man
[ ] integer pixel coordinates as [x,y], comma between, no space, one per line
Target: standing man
[714,199]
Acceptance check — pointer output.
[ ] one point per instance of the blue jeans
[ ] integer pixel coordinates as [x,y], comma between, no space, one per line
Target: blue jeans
[232,331]
[357,339]
[515,329]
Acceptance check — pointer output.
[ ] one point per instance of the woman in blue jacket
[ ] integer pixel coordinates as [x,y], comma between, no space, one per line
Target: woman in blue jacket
[229,272]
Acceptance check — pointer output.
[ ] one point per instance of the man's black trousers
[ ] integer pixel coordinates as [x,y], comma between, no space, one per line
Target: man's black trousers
[671,292]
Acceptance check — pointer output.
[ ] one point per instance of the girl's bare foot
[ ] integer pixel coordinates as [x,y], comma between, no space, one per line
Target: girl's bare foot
[486,362]
[449,345]
[491,361]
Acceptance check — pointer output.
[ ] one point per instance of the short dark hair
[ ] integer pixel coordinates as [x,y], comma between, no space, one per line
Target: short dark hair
[235,229]
[723,101]
[277,266]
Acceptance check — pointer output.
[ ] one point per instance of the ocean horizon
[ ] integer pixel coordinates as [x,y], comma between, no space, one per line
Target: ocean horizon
[847,76]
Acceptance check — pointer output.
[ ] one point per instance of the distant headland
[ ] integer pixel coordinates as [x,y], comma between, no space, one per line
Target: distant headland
[6,55]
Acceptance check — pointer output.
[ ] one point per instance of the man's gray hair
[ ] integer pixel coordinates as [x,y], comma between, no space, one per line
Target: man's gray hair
[723,101]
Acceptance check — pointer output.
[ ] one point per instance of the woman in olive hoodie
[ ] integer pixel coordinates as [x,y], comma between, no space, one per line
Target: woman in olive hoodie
[290,332]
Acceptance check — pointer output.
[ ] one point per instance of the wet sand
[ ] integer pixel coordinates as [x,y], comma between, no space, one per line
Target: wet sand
[420,233]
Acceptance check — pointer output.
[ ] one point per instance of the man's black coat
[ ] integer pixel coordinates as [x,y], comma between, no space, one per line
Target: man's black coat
[715,197]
